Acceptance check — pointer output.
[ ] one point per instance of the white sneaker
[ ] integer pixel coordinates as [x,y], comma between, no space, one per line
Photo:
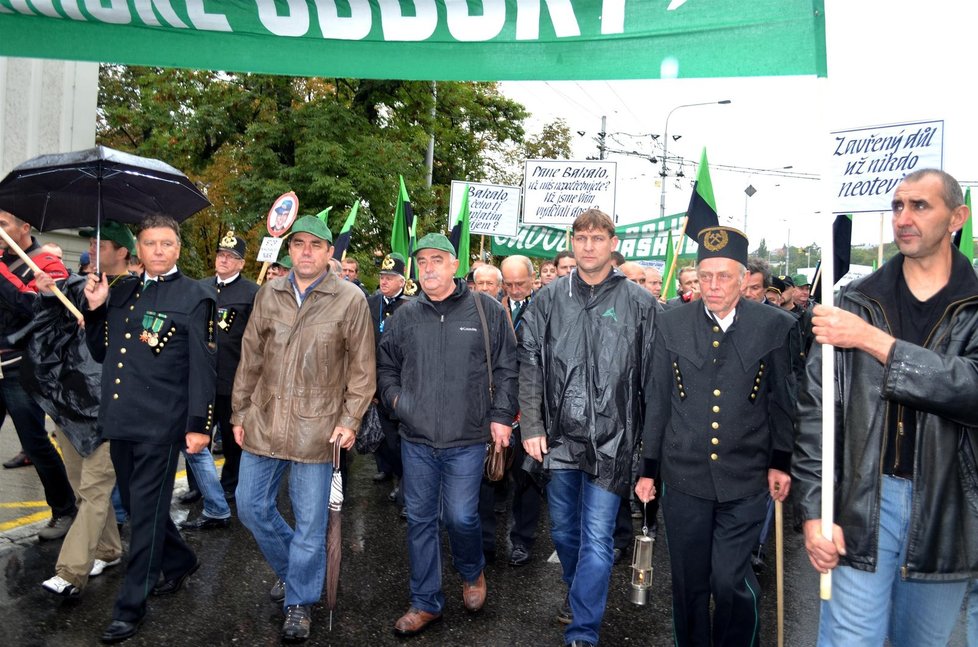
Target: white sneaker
[60,586]
[100,565]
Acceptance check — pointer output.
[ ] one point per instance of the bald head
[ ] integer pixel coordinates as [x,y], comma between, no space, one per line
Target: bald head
[517,277]
[653,281]
[633,272]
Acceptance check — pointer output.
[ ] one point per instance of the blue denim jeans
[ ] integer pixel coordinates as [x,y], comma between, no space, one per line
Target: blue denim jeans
[298,556]
[441,484]
[582,525]
[867,607]
[205,473]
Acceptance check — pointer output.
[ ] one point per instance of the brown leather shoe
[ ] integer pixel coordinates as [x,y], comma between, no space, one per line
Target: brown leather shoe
[414,622]
[474,593]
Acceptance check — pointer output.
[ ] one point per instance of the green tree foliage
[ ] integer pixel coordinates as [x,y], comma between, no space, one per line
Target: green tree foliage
[246,139]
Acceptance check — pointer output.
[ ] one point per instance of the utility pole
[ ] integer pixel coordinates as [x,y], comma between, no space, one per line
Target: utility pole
[602,135]
[429,157]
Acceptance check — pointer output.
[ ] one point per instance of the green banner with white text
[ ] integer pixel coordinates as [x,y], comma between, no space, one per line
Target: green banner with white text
[430,39]
[640,241]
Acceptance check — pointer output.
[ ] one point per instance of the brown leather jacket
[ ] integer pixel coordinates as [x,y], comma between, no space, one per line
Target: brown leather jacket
[304,370]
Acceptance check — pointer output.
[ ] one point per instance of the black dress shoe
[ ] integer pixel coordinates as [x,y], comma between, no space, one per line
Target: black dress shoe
[203,522]
[520,556]
[380,477]
[20,460]
[172,586]
[229,496]
[189,497]
[118,631]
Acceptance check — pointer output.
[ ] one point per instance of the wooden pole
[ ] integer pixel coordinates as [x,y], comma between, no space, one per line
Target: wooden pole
[779,566]
[54,288]
[828,409]
[482,246]
[262,272]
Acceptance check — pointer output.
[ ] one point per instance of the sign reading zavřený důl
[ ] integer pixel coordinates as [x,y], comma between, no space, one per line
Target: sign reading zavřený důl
[494,209]
[555,192]
[868,163]
[431,39]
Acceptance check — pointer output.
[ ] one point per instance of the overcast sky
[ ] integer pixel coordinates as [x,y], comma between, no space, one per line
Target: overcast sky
[889,61]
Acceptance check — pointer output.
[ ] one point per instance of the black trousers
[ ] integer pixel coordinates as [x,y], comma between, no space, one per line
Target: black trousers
[145,474]
[28,419]
[232,450]
[709,547]
[389,452]
[527,499]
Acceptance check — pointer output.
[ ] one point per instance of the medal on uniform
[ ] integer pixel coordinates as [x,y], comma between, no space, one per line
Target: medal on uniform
[222,318]
[152,324]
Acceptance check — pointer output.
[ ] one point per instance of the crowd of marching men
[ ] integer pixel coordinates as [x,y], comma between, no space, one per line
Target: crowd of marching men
[572,383]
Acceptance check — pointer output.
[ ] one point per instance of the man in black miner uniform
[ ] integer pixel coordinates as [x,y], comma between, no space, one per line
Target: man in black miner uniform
[719,428]
[382,305]
[235,298]
[155,340]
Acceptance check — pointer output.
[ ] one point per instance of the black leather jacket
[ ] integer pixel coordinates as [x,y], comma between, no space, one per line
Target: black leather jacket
[940,381]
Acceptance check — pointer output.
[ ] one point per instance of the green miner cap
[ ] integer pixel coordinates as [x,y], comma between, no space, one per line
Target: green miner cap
[800,280]
[312,225]
[435,241]
[117,232]
[285,261]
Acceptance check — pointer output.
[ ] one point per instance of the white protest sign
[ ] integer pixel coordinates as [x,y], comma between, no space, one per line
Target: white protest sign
[868,163]
[269,249]
[555,192]
[494,209]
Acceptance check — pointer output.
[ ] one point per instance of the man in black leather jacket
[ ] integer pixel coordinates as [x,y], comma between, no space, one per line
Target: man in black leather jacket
[905,538]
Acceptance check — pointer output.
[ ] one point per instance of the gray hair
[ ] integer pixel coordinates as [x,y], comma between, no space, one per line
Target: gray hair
[482,269]
[952,194]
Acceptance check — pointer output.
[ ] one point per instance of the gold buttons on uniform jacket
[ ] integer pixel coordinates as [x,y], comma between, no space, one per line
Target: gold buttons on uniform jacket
[122,350]
[715,441]
[118,381]
[716,344]
[716,409]
[715,425]
[119,364]
[128,335]
[716,393]
[714,457]
[716,329]
[115,396]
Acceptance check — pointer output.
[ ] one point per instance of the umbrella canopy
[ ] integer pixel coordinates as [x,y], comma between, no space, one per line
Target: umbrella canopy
[334,543]
[83,188]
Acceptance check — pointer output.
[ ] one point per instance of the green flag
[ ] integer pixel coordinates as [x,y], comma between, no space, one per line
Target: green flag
[460,236]
[702,210]
[343,239]
[403,228]
[669,289]
[967,244]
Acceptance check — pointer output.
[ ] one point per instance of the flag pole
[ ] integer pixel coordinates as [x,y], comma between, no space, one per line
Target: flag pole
[482,245]
[54,288]
[675,256]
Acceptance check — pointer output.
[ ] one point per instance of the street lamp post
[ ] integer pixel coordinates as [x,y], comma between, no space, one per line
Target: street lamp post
[665,148]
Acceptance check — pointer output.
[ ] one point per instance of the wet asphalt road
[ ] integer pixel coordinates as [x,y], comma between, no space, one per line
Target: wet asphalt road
[226,601]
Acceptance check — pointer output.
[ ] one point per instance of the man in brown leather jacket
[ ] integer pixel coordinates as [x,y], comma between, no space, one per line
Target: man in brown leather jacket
[314,329]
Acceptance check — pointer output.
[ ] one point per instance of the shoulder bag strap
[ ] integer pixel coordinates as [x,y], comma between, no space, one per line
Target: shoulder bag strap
[485,337]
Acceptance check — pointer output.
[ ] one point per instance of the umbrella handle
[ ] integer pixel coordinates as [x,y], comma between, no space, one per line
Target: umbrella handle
[54,288]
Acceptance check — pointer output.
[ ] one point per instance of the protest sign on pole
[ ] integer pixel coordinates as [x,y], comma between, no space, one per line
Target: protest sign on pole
[869,162]
[557,191]
[494,209]
[269,250]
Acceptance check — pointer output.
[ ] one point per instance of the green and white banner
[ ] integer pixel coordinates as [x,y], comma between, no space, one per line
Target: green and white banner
[430,39]
[640,241]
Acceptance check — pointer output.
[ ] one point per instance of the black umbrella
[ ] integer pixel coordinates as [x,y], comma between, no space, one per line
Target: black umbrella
[82,188]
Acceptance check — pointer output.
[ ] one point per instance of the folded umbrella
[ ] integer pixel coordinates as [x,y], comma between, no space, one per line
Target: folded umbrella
[334,543]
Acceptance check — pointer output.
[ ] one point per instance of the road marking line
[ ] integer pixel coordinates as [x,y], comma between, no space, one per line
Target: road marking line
[24,504]
[24,521]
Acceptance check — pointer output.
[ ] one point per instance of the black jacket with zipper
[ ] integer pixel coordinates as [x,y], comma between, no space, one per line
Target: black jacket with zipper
[432,361]
[940,381]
